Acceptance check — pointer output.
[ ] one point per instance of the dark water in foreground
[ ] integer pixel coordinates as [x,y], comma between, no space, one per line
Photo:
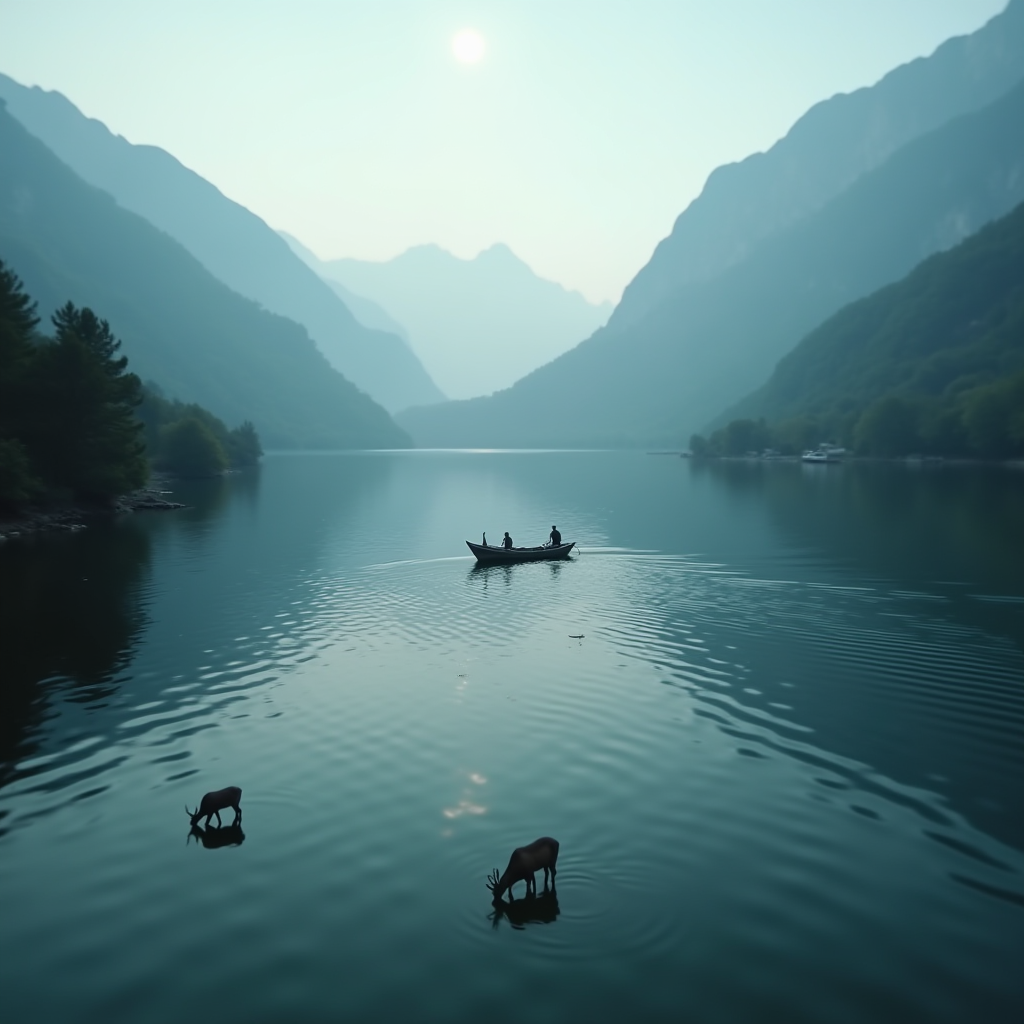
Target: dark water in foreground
[785,762]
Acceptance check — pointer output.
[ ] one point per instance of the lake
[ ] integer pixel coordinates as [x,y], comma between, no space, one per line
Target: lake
[773,713]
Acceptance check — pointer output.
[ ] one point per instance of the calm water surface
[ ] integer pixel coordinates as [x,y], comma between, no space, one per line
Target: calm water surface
[784,762]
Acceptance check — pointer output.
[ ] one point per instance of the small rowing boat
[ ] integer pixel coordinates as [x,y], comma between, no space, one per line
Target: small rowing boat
[490,555]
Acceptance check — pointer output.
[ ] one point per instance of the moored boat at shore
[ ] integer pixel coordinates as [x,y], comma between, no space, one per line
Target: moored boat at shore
[824,453]
[817,456]
[487,554]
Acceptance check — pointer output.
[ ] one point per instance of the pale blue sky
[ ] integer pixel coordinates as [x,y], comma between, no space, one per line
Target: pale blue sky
[577,140]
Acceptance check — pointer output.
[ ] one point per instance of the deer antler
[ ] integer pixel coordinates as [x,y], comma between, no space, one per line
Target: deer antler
[188,812]
[492,880]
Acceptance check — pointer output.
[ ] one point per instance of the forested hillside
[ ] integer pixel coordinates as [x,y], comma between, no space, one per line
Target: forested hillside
[180,326]
[932,364]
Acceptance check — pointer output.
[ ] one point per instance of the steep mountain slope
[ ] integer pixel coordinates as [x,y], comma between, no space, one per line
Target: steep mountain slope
[368,313]
[194,336]
[479,324]
[832,145]
[233,244]
[657,380]
[956,321]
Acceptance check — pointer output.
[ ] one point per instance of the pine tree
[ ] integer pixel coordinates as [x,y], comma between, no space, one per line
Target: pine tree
[87,437]
[18,321]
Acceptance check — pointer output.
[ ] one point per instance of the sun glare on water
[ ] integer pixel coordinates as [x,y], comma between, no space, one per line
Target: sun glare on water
[468,46]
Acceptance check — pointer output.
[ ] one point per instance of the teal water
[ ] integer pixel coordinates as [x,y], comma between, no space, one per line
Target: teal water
[784,763]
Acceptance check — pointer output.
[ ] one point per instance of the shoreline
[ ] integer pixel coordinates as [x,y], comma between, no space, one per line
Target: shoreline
[914,460]
[74,517]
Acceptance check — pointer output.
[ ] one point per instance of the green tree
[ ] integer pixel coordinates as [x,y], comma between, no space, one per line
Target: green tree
[157,413]
[85,437]
[994,417]
[244,447]
[797,434]
[699,447]
[18,483]
[191,448]
[18,320]
[742,436]
[941,427]
[889,427]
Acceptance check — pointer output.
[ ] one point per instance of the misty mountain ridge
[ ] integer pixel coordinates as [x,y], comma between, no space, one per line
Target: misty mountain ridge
[478,324]
[669,373]
[826,150]
[232,243]
[199,340]
[368,313]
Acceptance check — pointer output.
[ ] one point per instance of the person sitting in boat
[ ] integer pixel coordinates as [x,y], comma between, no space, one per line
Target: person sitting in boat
[507,542]
[556,537]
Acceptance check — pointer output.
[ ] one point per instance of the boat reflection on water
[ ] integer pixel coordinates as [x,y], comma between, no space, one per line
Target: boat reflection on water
[214,838]
[538,909]
[483,572]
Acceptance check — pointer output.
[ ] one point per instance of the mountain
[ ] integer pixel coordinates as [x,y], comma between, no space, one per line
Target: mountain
[181,327]
[479,324]
[368,313]
[954,323]
[233,244]
[827,149]
[658,379]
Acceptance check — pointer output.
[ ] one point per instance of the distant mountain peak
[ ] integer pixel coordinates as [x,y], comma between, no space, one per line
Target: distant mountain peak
[500,250]
[479,323]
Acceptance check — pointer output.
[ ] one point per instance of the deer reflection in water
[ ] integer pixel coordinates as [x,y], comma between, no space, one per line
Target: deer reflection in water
[214,838]
[534,909]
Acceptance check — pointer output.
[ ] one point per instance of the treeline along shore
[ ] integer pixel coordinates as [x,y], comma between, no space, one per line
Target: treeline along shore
[79,432]
[931,365]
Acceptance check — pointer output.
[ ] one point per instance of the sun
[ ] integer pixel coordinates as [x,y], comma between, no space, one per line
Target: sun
[468,46]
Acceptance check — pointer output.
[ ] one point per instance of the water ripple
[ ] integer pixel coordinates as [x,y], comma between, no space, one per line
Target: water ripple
[747,767]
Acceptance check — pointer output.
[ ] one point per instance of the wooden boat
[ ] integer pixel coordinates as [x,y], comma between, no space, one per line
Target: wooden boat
[491,555]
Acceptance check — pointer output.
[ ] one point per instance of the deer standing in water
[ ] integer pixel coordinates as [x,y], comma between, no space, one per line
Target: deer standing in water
[523,864]
[215,802]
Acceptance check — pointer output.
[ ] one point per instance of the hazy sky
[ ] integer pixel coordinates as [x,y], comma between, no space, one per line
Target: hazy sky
[580,135]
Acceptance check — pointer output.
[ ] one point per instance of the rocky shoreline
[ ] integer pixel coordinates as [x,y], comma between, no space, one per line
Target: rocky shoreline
[71,518]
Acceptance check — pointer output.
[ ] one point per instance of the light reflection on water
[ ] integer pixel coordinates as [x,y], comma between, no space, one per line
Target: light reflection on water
[784,761]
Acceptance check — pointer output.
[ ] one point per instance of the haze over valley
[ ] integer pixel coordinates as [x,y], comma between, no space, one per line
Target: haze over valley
[484,352]
[585,438]
[479,325]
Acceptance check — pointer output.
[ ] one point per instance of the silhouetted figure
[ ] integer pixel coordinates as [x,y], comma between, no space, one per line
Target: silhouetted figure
[214,838]
[215,802]
[524,863]
[485,538]
[556,537]
[507,542]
